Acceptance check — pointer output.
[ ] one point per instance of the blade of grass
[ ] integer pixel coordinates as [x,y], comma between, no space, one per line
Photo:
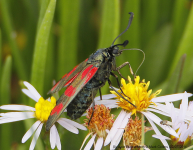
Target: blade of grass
[40,51]
[6,21]
[186,47]
[179,19]
[68,42]
[0,54]
[149,20]
[87,33]
[49,65]
[110,24]
[43,7]
[5,94]
[132,35]
[158,48]
[172,85]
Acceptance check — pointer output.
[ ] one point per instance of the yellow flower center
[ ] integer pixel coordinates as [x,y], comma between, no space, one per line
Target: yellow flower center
[137,93]
[44,108]
[100,121]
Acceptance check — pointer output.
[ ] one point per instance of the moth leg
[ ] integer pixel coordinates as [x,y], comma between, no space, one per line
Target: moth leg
[100,93]
[123,65]
[93,104]
[110,84]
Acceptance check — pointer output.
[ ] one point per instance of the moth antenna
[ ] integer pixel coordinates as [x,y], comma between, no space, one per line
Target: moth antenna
[130,20]
[141,61]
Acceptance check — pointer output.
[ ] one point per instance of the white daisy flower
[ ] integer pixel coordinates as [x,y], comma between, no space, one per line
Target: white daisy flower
[145,101]
[41,112]
[181,121]
[99,125]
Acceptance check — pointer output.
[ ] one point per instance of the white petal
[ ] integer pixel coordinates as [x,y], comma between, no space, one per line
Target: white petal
[182,132]
[8,117]
[107,103]
[183,108]
[29,94]
[157,120]
[99,143]
[85,139]
[17,114]
[90,143]
[160,137]
[158,111]
[68,126]
[32,90]
[108,96]
[115,141]
[115,127]
[190,106]
[170,98]
[164,142]
[58,143]
[73,123]
[17,107]
[35,138]
[160,107]
[107,130]
[29,133]
[53,136]
[187,132]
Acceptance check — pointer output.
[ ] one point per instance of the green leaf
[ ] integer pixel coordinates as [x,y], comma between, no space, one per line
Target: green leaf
[0,54]
[5,94]
[132,34]
[149,20]
[110,23]
[40,52]
[109,30]
[44,5]
[171,85]
[7,24]
[179,18]
[154,67]
[68,42]
[186,47]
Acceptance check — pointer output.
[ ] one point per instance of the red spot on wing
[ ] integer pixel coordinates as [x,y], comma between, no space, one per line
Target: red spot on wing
[70,91]
[54,86]
[70,81]
[57,83]
[90,74]
[85,72]
[64,75]
[71,71]
[57,109]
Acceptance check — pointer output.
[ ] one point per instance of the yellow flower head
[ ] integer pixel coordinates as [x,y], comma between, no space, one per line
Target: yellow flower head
[44,108]
[137,93]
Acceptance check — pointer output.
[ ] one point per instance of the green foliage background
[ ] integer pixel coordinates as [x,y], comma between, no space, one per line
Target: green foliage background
[41,40]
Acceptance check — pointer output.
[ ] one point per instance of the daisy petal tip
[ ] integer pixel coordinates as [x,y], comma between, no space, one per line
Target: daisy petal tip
[107,141]
[26,83]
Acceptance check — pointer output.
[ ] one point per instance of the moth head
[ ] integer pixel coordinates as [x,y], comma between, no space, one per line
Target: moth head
[114,50]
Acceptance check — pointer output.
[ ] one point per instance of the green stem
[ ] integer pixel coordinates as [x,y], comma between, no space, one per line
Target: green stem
[142,131]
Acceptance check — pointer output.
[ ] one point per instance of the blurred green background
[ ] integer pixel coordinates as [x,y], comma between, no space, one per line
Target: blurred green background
[41,40]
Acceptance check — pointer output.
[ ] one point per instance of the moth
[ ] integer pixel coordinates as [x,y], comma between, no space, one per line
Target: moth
[85,79]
